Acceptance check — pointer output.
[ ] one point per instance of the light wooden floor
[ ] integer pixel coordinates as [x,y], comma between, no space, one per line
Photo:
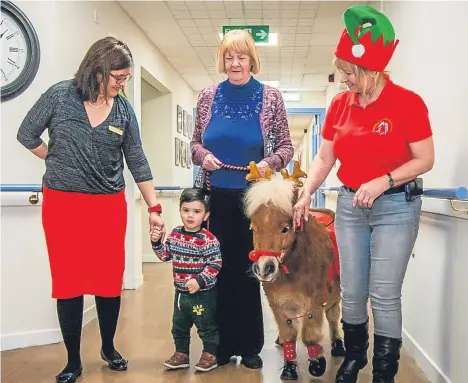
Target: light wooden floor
[144,338]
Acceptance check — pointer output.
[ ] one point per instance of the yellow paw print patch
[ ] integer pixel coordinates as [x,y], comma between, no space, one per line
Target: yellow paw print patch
[198,309]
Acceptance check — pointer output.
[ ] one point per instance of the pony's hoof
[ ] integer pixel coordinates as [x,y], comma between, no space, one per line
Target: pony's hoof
[318,366]
[338,348]
[289,371]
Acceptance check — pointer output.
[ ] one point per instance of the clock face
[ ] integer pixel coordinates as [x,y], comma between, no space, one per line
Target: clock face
[14,50]
[20,51]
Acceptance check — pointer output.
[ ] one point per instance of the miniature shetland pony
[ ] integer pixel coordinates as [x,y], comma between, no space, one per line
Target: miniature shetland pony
[298,268]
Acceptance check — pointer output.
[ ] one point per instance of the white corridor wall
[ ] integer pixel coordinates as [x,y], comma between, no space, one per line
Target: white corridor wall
[428,60]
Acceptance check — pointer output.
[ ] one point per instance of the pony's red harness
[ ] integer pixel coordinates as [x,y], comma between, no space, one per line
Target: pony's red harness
[329,224]
[255,256]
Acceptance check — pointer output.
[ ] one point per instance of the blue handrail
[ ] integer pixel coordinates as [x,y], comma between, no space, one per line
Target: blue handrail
[38,188]
[21,188]
[459,193]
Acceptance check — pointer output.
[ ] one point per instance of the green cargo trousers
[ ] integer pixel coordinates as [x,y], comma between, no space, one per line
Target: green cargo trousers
[198,309]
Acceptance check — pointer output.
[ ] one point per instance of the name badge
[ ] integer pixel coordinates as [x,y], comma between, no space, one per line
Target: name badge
[115,130]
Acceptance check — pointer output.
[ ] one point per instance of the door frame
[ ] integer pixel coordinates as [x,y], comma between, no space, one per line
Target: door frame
[316,139]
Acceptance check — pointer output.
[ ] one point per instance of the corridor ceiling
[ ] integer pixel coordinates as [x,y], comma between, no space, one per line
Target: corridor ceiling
[187,34]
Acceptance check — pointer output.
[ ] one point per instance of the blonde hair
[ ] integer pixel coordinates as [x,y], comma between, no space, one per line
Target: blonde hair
[238,41]
[362,74]
[276,192]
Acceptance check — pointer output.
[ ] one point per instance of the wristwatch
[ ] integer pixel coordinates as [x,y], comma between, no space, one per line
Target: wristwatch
[390,180]
[155,209]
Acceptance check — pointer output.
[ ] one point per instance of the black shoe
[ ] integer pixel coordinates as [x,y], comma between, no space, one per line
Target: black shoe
[69,377]
[289,371]
[386,359]
[252,362]
[356,339]
[118,363]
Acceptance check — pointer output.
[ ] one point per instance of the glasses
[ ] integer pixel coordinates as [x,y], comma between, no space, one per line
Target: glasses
[121,79]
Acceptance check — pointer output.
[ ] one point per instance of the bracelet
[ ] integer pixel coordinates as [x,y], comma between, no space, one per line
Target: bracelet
[155,209]
[390,180]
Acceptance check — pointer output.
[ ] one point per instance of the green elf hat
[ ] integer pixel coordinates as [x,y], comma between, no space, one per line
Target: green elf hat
[368,39]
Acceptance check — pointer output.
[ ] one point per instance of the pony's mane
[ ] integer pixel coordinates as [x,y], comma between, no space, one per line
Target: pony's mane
[276,192]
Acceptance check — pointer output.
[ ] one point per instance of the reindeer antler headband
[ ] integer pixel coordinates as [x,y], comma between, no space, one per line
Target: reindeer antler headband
[297,173]
[255,175]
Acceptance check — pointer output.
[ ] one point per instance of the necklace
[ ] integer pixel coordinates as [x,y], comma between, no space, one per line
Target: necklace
[97,106]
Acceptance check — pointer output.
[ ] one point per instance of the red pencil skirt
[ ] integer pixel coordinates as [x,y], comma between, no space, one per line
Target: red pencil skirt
[85,236]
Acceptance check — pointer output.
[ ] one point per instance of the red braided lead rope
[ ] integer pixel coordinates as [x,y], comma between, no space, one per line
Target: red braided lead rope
[231,167]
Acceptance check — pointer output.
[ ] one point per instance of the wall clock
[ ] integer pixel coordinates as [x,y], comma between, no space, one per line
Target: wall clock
[20,51]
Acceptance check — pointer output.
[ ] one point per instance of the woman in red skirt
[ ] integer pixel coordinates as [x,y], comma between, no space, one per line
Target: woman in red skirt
[91,127]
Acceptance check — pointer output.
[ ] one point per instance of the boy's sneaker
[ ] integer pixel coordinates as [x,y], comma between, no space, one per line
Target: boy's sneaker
[178,360]
[207,362]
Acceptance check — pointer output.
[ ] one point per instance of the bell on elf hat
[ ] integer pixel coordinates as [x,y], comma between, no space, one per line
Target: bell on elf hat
[368,39]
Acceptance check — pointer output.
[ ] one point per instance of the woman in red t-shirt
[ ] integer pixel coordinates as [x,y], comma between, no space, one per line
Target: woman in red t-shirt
[382,136]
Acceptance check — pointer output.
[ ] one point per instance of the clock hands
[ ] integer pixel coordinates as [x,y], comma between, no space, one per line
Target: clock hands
[3,33]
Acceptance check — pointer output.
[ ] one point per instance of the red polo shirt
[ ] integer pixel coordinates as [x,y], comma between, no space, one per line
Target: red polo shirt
[374,140]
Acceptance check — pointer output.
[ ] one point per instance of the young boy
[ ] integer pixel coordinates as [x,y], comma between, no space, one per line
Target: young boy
[196,262]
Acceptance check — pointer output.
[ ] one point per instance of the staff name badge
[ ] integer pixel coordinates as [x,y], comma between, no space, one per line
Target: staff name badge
[115,130]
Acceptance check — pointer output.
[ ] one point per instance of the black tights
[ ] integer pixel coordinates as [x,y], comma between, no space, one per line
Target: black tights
[70,315]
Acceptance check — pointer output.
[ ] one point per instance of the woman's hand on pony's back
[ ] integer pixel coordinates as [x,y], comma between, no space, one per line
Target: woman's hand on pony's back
[210,162]
[319,170]
[301,209]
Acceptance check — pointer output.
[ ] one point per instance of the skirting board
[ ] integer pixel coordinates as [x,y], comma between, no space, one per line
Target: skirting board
[427,365]
[41,337]
[30,339]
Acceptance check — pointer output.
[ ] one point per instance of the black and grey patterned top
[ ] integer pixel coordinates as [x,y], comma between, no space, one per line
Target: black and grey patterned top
[82,158]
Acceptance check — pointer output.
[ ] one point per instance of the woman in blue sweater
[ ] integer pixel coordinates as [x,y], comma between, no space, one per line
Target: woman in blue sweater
[238,120]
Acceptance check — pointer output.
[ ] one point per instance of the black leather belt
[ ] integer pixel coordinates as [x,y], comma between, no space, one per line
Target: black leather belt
[397,189]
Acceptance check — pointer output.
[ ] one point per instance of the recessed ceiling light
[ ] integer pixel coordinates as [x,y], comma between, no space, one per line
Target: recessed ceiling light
[273,40]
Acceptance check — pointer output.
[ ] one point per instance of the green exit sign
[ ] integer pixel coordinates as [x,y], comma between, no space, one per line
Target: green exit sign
[260,33]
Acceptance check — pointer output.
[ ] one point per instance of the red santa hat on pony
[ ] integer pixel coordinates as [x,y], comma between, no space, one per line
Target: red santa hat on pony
[368,39]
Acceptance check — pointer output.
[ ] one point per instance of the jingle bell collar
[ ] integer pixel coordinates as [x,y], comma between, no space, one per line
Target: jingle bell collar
[368,39]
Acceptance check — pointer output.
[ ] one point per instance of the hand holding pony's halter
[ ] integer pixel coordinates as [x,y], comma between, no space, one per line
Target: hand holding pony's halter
[255,255]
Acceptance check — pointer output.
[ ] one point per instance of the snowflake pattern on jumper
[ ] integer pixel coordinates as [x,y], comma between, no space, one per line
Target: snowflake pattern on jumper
[240,109]
[193,255]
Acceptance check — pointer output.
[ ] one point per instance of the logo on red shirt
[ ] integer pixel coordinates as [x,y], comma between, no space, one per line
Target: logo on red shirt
[383,127]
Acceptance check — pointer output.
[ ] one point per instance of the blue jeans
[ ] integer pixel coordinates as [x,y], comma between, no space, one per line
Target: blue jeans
[375,246]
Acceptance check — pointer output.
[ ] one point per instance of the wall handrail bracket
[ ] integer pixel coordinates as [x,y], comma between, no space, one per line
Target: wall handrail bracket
[462,210]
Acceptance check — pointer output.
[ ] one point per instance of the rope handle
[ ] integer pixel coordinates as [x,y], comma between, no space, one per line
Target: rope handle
[230,167]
